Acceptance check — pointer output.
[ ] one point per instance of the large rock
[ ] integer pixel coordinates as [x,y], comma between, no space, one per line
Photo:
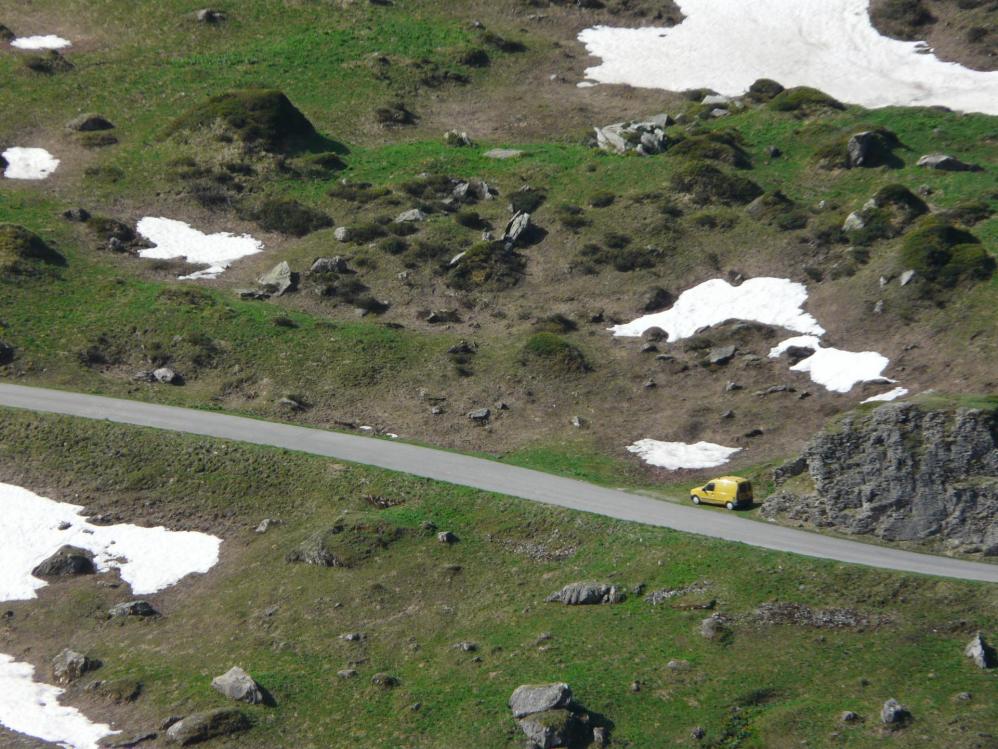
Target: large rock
[66,562]
[586,594]
[132,608]
[516,228]
[166,376]
[902,472]
[6,353]
[211,724]
[893,713]
[863,148]
[549,729]
[981,653]
[69,666]
[645,138]
[238,685]
[529,699]
[334,264]
[946,163]
[280,279]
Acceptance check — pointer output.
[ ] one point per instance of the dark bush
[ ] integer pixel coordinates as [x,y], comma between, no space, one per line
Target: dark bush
[393,245]
[395,114]
[555,353]
[556,323]
[602,199]
[476,57]
[527,201]
[943,254]
[358,192]
[289,217]
[257,116]
[21,250]
[48,63]
[469,219]
[902,19]
[723,146]
[764,89]
[705,183]
[487,266]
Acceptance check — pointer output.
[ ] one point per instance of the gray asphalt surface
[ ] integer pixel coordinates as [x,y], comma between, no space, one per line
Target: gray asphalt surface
[493,477]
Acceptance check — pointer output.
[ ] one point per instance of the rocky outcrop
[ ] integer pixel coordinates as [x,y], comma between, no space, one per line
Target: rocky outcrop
[644,138]
[902,472]
[586,594]
[981,653]
[528,699]
[69,666]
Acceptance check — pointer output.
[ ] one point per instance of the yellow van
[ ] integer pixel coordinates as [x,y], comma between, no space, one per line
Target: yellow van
[730,491]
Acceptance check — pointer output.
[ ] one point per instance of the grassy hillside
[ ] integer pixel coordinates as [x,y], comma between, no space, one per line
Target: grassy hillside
[763,685]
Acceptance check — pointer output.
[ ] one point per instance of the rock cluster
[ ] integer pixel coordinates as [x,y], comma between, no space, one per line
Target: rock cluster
[643,138]
[902,472]
[586,594]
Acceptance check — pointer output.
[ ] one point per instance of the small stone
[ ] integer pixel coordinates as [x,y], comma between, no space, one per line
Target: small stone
[166,376]
[88,123]
[467,647]
[69,666]
[503,153]
[732,386]
[266,524]
[199,727]
[480,415]
[729,414]
[635,686]
[210,15]
[649,384]
[698,733]
[946,163]
[342,234]
[77,215]
[678,665]
[446,537]
[385,681]
[411,216]
[906,277]
[849,717]
[347,673]
[721,355]
[578,422]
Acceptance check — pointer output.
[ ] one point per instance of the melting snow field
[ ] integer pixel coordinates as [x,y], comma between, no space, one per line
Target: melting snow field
[675,455]
[178,239]
[29,163]
[834,368]
[149,559]
[828,44]
[773,301]
[48,41]
[33,708]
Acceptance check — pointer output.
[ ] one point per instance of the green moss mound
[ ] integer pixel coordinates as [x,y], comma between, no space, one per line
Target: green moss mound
[776,209]
[555,353]
[803,99]
[705,183]
[945,255]
[265,118]
[487,266]
[724,146]
[24,253]
[347,544]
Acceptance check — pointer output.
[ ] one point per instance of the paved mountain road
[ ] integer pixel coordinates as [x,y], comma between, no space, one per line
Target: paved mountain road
[491,476]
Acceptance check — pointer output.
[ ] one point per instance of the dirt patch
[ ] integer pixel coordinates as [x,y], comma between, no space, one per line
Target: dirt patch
[963,31]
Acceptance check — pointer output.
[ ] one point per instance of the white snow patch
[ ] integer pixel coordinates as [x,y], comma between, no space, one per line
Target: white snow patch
[890,395]
[828,44]
[33,708]
[675,455]
[178,239]
[149,559]
[29,163]
[834,368]
[47,41]
[773,301]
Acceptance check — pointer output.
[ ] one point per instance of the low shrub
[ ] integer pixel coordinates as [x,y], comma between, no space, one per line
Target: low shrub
[289,217]
[705,183]
[555,353]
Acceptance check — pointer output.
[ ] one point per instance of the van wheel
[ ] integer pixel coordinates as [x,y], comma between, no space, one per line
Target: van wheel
[730,505]
[695,499]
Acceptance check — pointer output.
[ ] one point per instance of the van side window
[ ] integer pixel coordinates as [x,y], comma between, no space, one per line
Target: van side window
[709,487]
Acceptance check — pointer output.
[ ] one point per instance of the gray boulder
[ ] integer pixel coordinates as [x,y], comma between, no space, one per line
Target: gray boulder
[69,666]
[342,234]
[132,608]
[238,685]
[480,415]
[66,562]
[946,163]
[586,594]
[549,729]
[714,627]
[893,713]
[209,15]
[529,699]
[279,279]
[516,228]
[655,299]
[334,264]
[211,724]
[411,216]
[720,355]
[980,652]
[166,376]
[863,148]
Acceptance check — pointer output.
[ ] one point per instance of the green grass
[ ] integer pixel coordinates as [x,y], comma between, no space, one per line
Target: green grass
[413,609]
